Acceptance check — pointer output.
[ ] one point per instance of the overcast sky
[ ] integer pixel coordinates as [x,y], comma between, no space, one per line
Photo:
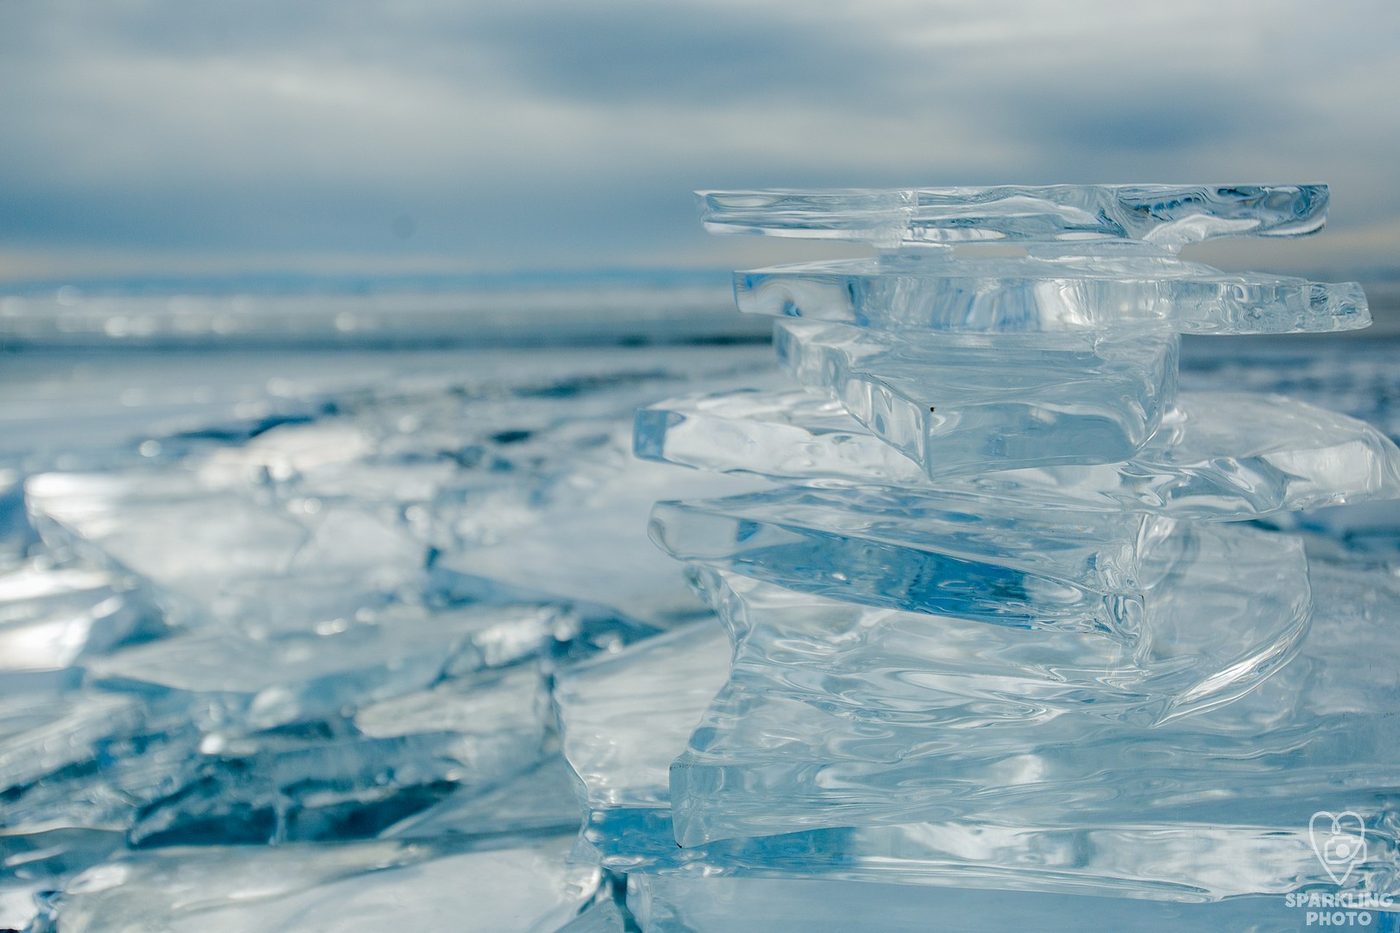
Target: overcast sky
[425,135]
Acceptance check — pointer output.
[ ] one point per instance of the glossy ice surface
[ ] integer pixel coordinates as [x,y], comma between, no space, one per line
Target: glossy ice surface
[522,884]
[922,552]
[968,403]
[1165,215]
[1061,290]
[767,761]
[1217,456]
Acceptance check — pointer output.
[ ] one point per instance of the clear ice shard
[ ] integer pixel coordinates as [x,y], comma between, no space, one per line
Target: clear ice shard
[1202,641]
[1217,456]
[1315,729]
[779,904]
[236,682]
[959,403]
[1046,292]
[511,883]
[1165,215]
[51,618]
[922,551]
[622,758]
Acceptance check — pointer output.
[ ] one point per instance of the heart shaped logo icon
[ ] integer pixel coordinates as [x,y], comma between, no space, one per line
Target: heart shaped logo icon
[1339,839]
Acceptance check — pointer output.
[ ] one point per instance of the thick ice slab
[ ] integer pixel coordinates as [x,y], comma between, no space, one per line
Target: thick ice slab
[1217,456]
[1166,215]
[1112,290]
[234,681]
[967,403]
[584,541]
[669,902]
[87,758]
[1316,734]
[922,552]
[50,618]
[1204,641]
[215,549]
[622,760]
[516,884]
[536,800]
[39,862]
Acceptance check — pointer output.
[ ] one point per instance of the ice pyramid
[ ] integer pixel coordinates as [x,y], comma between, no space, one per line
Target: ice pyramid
[998,638]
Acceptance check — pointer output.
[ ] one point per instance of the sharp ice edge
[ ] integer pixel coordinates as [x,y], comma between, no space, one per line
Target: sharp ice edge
[966,403]
[1168,216]
[1039,294]
[1204,640]
[922,552]
[496,885]
[738,905]
[1217,456]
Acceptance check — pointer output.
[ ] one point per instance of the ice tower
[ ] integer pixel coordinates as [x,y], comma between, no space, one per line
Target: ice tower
[1005,635]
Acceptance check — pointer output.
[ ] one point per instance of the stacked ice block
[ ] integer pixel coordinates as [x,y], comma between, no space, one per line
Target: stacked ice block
[999,639]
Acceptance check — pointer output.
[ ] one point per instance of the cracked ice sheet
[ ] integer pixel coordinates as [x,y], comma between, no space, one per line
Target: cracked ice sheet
[501,884]
[1220,456]
[50,618]
[591,545]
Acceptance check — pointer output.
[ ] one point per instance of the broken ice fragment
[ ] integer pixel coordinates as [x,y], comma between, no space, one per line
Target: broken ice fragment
[965,403]
[1221,456]
[1310,732]
[492,885]
[49,618]
[1165,215]
[920,551]
[778,904]
[1102,292]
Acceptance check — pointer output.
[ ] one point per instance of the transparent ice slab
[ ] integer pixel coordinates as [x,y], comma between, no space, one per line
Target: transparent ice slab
[1317,734]
[922,552]
[965,403]
[1218,455]
[537,800]
[205,545]
[88,758]
[585,543]
[1204,641]
[508,883]
[332,782]
[1166,215]
[622,759]
[692,902]
[52,617]
[38,862]
[1112,290]
[232,681]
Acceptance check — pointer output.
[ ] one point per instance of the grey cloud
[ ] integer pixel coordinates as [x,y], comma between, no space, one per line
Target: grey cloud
[553,132]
